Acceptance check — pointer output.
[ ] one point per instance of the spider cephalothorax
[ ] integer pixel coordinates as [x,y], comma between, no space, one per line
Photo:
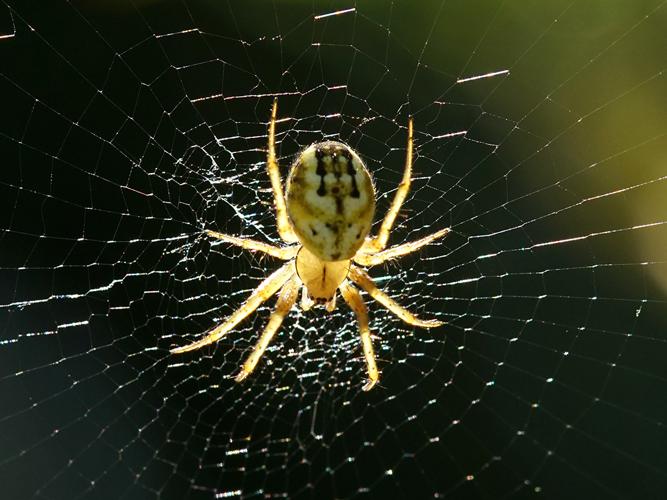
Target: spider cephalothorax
[325,221]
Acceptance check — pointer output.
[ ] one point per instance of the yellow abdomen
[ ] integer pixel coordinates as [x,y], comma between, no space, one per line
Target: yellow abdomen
[330,200]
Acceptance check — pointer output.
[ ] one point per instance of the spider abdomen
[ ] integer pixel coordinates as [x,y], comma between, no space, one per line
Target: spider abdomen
[330,200]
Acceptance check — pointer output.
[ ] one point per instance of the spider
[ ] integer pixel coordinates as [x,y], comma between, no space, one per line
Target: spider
[325,219]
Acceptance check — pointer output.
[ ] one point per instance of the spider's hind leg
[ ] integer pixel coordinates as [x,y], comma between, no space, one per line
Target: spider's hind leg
[380,241]
[284,226]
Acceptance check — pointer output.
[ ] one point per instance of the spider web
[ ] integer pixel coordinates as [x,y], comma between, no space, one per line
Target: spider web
[540,133]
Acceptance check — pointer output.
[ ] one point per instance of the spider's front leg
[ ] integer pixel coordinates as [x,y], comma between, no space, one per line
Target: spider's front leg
[356,303]
[286,300]
[361,278]
[265,290]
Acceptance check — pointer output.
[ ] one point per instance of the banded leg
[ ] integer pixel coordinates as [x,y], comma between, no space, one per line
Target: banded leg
[286,300]
[369,260]
[361,278]
[356,303]
[284,227]
[380,241]
[284,253]
[266,289]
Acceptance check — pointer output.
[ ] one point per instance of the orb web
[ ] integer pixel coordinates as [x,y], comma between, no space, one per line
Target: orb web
[129,129]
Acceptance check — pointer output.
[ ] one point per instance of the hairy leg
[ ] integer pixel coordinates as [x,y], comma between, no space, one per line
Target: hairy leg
[380,241]
[284,253]
[266,289]
[369,260]
[361,278]
[284,226]
[286,299]
[356,303]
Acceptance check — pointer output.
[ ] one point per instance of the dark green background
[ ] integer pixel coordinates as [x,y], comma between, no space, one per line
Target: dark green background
[550,379]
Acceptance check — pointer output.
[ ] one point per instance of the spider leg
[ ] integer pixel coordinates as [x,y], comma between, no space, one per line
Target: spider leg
[356,303]
[380,241]
[286,299]
[330,305]
[306,302]
[361,278]
[265,290]
[284,253]
[369,260]
[284,227]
